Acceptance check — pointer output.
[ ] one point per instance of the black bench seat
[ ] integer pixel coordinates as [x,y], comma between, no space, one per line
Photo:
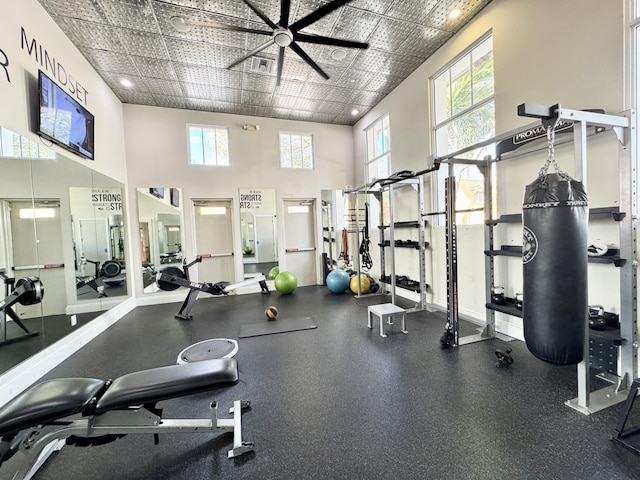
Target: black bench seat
[49,401]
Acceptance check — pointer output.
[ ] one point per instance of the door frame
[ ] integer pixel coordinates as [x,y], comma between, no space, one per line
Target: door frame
[314,211]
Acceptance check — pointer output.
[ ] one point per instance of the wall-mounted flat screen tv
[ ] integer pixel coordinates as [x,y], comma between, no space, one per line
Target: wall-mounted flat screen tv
[157,192]
[63,120]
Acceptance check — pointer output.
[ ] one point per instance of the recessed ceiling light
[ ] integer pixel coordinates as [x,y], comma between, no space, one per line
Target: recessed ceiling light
[355,112]
[179,24]
[125,82]
[455,13]
[339,54]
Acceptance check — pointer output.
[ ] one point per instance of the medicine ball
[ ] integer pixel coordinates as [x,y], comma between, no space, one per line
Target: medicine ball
[271,312]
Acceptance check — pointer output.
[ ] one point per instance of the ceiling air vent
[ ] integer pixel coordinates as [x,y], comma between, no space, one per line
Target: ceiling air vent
[262,65]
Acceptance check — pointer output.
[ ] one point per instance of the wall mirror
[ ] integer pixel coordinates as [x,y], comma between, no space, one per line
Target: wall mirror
[39,205]
[258,226]
[332,225]
[161,231]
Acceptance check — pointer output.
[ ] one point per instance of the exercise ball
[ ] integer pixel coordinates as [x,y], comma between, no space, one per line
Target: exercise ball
[365,283]
[338,281]
[273,273]
[271,312]
[374,287]
[285,282]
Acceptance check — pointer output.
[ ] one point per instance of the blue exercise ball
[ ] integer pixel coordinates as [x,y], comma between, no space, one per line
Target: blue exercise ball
[338,281]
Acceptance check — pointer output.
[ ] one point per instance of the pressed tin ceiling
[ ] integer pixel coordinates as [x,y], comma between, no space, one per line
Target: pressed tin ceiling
[136,40]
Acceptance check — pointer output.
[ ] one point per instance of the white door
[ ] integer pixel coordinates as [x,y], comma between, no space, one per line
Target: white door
[94,240]
[265,232]
[300,240]
[37,252]
[214,241]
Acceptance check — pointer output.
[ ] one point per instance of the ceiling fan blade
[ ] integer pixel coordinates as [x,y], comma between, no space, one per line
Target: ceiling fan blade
[223,26]
[303,37]
[285,6]
[316,15]
[296,48]
[261,14]
[252,53]
[280,63]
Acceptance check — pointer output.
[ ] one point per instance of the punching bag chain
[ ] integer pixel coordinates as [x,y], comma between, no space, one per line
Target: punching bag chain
[551,156]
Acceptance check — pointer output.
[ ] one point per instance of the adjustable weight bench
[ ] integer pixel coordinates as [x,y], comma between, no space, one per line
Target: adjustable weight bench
[89,411]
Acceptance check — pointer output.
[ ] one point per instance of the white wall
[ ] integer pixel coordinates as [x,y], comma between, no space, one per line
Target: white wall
[18,93]
[157,153]
[546,52]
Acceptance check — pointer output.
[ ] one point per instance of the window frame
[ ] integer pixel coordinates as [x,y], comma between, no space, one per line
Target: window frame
[386,153]
[301,137]
[203,128]
[437,126]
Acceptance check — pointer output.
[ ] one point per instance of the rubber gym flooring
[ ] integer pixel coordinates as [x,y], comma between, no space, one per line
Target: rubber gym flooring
[340,402]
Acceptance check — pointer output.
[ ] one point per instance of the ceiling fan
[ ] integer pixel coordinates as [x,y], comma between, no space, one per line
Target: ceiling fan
[282,34]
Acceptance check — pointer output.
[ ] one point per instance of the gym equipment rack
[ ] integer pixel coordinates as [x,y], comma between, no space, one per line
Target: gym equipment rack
[413,181]
[584,123]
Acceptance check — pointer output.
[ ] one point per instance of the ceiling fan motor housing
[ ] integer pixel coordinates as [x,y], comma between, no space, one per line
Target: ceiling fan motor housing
[283,37]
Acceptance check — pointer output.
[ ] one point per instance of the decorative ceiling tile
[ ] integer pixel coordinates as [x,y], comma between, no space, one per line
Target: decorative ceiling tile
[188,67]
[411,10]
[171,101]
[132,14]
[191,73]
[256,98]
[264,83]
[104,61]
[195,90]
[357,25]
[390,34]
[154,68]
[87,34]
[164,87]
[143,44]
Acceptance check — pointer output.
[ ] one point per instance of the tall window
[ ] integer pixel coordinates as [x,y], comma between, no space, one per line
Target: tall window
[378,137]
[296,150]
[464,114]
[208,146]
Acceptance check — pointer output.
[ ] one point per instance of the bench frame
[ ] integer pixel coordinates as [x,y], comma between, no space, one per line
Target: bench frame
[38,443]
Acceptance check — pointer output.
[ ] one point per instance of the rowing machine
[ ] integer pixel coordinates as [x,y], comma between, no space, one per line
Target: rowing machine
[27,291]
[172,278]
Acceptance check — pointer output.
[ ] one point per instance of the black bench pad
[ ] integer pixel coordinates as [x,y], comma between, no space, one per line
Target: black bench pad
[162,383]
[48,401]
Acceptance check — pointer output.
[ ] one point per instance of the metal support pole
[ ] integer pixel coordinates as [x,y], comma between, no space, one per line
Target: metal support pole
[452,258]
[489,262]
[628,365]
[580,167]
[392,256]
[421,250]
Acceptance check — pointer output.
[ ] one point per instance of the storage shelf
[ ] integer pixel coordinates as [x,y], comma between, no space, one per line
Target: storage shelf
[594,214]
[508,308]
[516,251]
[403,244]
[609,336]
[406,287]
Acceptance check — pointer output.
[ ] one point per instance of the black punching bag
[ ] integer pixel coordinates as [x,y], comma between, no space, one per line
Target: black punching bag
[555,216]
